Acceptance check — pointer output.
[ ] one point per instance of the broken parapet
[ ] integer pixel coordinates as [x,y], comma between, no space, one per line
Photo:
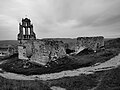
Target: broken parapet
[93,43]
[41,51]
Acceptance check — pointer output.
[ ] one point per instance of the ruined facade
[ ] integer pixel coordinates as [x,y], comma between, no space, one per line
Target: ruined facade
[26,30]
[41,52]
[46,51]
[38,51]
[93,43]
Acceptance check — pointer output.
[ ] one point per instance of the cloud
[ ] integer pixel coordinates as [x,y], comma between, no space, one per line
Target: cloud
[61,18]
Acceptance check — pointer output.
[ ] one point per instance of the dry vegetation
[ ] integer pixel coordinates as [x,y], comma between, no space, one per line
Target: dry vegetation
[7,84]
[83,59]
[67,63]
[104,80]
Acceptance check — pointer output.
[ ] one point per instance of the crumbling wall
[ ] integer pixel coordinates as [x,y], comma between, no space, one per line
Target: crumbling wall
[40,53]
[93,43]
[43,51]
[29,48]
[22,52]
[48,50]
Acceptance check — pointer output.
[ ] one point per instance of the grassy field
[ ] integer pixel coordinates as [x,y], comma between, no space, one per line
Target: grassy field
[15,65]
[83,59]
[7,84]
[9,42]
[104,80]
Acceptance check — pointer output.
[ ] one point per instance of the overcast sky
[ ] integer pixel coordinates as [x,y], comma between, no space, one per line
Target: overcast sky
[61,18]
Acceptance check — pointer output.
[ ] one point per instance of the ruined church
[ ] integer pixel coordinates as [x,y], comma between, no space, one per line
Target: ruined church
[46,50]
[35,50]
[26,30]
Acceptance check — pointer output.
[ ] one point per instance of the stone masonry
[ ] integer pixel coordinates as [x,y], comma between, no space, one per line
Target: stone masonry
[38,51]
[26,30]
[41,51]
[46,50]
[93,43]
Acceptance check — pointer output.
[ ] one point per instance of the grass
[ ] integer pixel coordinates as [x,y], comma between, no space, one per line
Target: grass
[84,59]
[7,84]
[82,82]
[9,42]
[67,63]
[111,80]
[104,80]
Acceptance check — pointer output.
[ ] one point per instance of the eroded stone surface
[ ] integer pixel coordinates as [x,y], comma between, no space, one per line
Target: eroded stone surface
[46,50]
[93,43]
[42,51]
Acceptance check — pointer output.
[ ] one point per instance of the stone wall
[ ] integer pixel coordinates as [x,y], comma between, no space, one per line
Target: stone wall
[93,43]
[29,48]
[47,50]
[22,52]
[40,54]
[42,51]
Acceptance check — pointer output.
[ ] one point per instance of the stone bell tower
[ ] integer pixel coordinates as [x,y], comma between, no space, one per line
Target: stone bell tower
[26,30]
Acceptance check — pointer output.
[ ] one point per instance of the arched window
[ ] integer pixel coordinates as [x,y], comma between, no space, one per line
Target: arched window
[23,31]
[28,31]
